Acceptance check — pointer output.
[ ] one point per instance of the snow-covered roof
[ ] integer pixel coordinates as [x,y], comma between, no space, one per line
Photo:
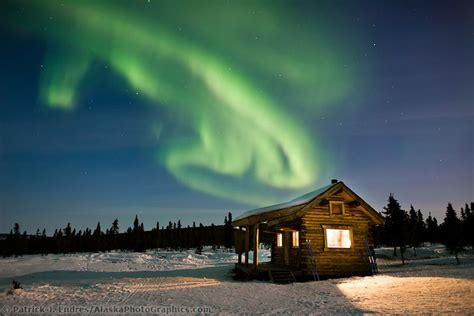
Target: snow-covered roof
[305,198]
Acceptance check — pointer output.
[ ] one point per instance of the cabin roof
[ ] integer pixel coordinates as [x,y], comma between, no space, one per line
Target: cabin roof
[302,199]
[294,206]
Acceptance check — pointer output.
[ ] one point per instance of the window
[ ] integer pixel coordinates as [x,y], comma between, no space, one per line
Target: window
[279,240]
[296,239]
[336,208]
[338,238]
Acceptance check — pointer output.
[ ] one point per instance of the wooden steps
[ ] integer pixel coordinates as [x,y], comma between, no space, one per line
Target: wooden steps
[281,276]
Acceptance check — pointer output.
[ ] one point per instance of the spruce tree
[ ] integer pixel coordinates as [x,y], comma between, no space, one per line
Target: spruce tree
[421,228]
[97,231]
[136,224]
[451,232]
[436,229]
[468,225]
[467,220]
[67,230]
[228,230]
[396,226]
[114,230]
[16,229]
[413,233]
[431,229]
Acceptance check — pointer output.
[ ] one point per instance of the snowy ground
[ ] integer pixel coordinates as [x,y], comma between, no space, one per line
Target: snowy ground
[184,282]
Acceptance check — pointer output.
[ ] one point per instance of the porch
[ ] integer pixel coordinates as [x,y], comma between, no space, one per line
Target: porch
[285,252]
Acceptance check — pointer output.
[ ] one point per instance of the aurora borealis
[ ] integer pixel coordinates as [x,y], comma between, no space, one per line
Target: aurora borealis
[243,101]
[236,125]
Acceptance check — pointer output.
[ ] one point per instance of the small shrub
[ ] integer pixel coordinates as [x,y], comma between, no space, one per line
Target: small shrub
[16,285]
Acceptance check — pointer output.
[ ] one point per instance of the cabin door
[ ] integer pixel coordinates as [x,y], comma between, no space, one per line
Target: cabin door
[286,248]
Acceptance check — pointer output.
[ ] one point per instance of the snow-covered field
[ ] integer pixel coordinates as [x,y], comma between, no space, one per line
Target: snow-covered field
[185,282]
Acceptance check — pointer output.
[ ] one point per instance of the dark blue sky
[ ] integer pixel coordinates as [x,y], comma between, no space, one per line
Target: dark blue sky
[404,125]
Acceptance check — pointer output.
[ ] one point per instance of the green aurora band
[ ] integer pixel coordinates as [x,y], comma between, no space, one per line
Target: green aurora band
[240,76]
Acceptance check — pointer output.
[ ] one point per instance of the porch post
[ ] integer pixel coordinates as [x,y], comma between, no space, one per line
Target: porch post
[247,237]
[255,244]
[239,242]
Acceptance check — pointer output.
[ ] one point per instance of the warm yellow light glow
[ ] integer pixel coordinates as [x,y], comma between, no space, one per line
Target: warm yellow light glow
[296,239]
[279,240]
[338,238]
[382,294]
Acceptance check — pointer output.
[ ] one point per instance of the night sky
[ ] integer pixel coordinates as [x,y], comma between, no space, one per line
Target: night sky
[188,109]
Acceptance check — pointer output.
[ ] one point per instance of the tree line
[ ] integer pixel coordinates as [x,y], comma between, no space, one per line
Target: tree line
[403,229]
[135,238]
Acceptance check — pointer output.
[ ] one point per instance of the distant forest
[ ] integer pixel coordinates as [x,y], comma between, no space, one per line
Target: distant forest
[68,240]
[401,229]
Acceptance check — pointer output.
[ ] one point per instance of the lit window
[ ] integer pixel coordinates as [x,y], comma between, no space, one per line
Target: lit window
[279,240]
[296,239]
[336,208]
[338,238]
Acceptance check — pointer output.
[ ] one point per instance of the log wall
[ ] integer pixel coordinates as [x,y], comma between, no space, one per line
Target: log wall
[336,262]
[329,261]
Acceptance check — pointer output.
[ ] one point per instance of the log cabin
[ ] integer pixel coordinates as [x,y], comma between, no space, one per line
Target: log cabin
[324,233]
